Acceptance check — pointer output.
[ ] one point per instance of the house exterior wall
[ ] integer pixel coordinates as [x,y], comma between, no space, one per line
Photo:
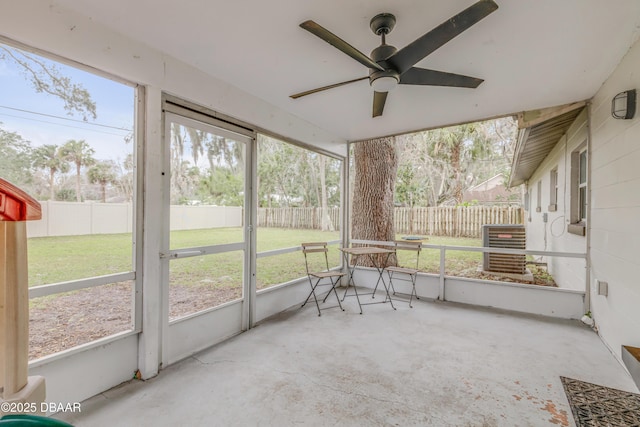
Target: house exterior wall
[612,229]
[552,234]
[615,211]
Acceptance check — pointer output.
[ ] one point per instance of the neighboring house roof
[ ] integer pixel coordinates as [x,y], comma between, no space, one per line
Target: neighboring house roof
[489,191]
[539,132]
[490,183]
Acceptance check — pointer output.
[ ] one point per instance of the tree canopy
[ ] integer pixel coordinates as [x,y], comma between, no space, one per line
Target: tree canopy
[437,166]
[102,173]
[49,158]
[45,77]
[15,155]
[79,153]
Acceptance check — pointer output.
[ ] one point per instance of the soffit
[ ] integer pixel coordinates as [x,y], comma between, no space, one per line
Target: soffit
[536,142]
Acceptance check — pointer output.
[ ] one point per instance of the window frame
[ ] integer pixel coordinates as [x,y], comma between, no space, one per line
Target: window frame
[343,168]
[134,273]
[582,185]
[553,190]
[579,190]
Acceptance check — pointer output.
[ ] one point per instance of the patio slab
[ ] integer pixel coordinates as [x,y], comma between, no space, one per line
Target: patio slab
[437,364]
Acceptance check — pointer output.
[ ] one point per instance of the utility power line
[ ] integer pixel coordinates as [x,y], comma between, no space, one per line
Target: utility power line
[63,125]
[62,118]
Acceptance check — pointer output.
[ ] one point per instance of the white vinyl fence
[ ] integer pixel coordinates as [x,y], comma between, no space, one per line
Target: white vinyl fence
[70,219]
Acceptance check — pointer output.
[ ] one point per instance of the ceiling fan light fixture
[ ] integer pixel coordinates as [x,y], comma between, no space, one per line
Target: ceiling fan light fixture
[387,64]
[384,83]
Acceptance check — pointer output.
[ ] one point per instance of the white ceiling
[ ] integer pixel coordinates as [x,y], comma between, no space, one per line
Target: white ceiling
[532,54]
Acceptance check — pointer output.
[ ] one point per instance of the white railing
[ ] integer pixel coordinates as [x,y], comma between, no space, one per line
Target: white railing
[567,301]
[443,250]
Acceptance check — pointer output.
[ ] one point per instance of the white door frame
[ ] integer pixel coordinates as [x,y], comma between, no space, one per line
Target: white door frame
[246,304]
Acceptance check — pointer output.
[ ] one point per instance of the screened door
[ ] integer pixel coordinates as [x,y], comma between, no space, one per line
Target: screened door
[206,263]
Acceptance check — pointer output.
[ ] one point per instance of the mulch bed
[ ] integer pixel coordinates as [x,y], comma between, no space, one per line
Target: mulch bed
[485,276]
[60,322]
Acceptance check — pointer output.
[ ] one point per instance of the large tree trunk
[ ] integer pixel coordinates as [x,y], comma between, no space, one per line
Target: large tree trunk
[375,163]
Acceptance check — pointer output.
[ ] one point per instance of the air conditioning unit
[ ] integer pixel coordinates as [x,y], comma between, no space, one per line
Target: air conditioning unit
[512,236]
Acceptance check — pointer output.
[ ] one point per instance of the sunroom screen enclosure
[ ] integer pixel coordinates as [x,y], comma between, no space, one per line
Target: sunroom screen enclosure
[245,77]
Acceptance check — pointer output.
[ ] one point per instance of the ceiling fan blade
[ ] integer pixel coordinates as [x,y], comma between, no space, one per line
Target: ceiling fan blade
[422,76]
[379,99]
[320,89]
[411,54]
[342,45]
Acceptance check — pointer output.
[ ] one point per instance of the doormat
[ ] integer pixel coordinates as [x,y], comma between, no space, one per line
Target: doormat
[593,405]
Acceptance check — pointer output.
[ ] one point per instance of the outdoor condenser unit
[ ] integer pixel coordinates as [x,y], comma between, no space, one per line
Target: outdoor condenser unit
[510,236]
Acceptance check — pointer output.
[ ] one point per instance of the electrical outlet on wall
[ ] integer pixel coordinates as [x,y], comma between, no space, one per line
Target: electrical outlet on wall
[603,287]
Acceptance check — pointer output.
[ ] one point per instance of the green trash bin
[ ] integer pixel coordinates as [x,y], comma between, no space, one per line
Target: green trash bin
[31,421]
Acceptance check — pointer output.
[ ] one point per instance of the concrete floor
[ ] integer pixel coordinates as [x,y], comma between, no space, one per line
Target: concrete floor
[438,364]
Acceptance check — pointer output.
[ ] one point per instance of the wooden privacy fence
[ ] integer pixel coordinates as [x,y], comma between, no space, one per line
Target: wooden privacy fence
[461,221]
[309,218]
[454,221]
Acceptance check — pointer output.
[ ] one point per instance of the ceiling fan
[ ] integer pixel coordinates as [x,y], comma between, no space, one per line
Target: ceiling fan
[389,67]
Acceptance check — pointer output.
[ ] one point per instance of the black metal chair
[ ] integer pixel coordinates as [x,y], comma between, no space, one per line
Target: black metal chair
[402,273]
[315,277]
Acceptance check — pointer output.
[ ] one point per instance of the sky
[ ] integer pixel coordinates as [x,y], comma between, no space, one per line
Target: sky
[41,119]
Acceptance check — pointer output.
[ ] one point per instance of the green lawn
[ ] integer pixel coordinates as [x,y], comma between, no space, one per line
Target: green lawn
[58,259]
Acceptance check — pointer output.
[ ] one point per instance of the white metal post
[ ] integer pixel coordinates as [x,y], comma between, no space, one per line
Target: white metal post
[150,343]
[441,295]
[250,235]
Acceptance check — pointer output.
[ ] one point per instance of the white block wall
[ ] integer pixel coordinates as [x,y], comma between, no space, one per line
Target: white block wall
[615,210]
